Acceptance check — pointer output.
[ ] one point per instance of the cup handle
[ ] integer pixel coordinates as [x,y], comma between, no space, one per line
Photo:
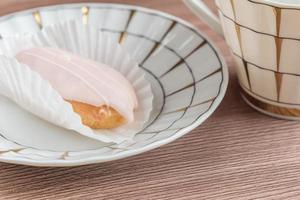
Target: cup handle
[202,11]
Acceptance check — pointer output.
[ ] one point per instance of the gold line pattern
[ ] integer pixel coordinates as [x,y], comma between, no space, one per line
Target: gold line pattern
[157,44]
[198,47]
[38,19]
[181,61]
[181,89]
[265,4]
[278,43]
[168,30]
[124,34]
[192,84]
[260,67]
[239,36]
[277,12]
[247,73]
[85,14]
[183,109]
[122,37]
[266,98]
[233,8]
[278,110]
[253,30]
[278,78]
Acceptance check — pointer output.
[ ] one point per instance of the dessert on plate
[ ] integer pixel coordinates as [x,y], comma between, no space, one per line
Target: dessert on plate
[102,96]
[86,82]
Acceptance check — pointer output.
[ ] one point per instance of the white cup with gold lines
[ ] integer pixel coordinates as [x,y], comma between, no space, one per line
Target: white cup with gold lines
[264,37]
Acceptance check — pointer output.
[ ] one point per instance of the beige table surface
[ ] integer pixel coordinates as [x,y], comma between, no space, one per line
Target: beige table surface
[236,154]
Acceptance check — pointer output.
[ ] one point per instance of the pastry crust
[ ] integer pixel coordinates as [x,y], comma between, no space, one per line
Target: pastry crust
[102,117]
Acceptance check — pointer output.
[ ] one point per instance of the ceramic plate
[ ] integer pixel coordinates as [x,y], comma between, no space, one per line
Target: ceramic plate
[187,74]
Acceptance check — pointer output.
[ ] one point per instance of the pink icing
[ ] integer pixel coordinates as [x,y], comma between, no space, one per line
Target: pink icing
[83,80]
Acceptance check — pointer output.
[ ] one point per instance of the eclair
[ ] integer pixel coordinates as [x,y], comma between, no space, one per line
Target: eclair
[102,96]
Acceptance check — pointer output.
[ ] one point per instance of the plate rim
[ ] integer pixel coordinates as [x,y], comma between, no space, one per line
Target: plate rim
[154,145]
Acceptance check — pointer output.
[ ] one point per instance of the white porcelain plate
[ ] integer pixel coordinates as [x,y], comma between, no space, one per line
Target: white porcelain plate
[187,74]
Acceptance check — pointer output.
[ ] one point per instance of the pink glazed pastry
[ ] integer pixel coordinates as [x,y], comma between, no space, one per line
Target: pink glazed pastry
[102,96]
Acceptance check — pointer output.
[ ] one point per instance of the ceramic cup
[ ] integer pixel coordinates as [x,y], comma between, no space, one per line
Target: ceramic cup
[264,37]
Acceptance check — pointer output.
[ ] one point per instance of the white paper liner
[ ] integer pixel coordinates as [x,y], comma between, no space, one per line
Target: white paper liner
[36,95]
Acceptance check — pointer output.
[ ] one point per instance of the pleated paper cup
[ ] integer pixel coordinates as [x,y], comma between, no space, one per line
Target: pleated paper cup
[36,95]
